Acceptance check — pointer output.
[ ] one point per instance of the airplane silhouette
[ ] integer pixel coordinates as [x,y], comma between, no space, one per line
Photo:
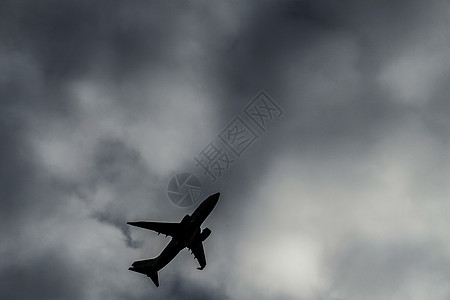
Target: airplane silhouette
[186,234]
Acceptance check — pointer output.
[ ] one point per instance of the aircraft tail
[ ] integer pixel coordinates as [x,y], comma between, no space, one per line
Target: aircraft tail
[146,267]
[154,278]
[143,263]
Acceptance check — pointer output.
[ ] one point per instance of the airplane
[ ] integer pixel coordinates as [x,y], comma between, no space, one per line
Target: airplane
[185,234]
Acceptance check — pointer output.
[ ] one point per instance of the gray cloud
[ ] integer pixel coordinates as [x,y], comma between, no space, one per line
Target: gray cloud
[46,276]
[102,103]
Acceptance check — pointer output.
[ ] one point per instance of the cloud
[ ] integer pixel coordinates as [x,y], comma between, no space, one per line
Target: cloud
[343,197]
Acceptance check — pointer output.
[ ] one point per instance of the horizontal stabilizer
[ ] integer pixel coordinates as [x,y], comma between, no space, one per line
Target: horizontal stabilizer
[145,266]
[143,263]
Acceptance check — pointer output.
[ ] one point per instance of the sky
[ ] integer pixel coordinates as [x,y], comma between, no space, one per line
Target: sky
[343,195]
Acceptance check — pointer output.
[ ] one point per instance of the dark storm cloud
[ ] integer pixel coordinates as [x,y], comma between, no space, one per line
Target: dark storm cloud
[13,165]
[278,34]
[46,276]
[124,169]
[68,38]
[330,65]
[43,46]
[273,41]
[46,46]
[62,40]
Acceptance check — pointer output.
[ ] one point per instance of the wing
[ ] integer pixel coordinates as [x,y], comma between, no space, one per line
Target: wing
[165,228]
[199,254]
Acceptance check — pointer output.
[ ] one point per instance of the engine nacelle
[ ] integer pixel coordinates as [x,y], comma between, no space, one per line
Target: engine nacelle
[205,233]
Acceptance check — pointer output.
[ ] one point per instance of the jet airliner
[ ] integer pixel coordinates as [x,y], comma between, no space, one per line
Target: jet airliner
[185,234]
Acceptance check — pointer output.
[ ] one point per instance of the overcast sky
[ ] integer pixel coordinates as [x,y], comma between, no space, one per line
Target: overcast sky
[345,196]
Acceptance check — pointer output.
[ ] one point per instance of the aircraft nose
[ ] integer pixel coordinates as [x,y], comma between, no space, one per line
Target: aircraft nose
[215,198]
[212,200]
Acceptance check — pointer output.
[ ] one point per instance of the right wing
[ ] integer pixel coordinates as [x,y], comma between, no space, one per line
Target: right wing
[165,228]
[199,254]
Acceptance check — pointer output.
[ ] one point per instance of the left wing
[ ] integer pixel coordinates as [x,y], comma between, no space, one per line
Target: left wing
[199,254]
[165,228]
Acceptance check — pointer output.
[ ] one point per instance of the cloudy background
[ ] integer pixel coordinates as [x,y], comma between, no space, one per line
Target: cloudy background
[344,197]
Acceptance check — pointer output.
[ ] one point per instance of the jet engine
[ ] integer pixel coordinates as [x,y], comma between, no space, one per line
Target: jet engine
[205,233]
